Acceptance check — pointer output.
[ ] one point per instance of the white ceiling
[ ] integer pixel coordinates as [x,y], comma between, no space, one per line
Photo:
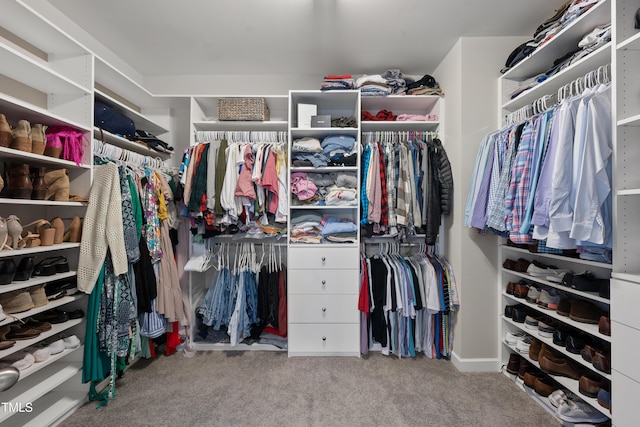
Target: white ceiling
[206,37]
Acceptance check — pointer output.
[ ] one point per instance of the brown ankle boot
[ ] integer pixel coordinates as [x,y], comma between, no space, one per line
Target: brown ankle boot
[37,181]
[22,136]
[38,138]
[5,132]
[57,182]
[19,185]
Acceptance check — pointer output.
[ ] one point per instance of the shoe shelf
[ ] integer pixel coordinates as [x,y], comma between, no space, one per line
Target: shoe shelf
[33,388]
[51,305]
[589,295]
[140,120]
[52,406]
[320,133]
[542,401]
[572,260]
[635,278]
[550,343]
[589,328]
[37,159]
[55,329]
[18,109]
[4,201]
[126,144]
[52,359]
[212,125]
[568,383]
[35,280]
[38,249]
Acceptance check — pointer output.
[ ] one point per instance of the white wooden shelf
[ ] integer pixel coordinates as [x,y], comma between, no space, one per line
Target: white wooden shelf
[37,159]
[33,388]
[589,328]
[24,374]
[15,202]
[20,110]
[564,41]
[55,329]
[212,125]
[322,245]
[324,169]
[35,280]
[629,277]
[568,383]
[50,306]
[38,249]
[549,341]
[629,192]
[402,125]
[54,405]
[324,207]
[580,261]
[630,121]
[140,120]
[632,43]
[401,104]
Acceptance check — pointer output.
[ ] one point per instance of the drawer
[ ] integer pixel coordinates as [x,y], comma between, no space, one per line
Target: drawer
[330,339]
[323,281]
[323,309]
[624,358]
[624,302]
[624,400]
[324,258]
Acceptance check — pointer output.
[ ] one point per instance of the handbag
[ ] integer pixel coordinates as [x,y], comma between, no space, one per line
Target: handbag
[112,121]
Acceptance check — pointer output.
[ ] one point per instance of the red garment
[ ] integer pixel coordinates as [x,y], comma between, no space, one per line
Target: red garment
[337,77]
[282,303]
[382,115]
[269,180]
[244,186]
[363,298]
[173,340]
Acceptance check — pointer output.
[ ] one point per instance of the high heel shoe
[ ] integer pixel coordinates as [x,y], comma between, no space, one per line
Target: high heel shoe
[7,271]
[58,225]
[74,232]
[4,233]
[57,182]
[14,228]
[24,270]
[43,234]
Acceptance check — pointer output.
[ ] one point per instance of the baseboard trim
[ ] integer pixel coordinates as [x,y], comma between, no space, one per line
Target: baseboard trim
[475,365]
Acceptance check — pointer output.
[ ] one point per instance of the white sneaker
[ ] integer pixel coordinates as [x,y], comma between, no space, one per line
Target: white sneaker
[56,347]
[42,354]
[523,345]
[512,337]
[20,360]
[71,342]
[579,412]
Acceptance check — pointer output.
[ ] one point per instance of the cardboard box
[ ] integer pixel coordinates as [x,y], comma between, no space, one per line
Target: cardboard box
[322,121]
[305,112]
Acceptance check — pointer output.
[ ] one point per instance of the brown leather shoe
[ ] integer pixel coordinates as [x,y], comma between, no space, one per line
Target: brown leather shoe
[534,349]
[559,366]
[588,352]
[520,290]
[530,377]
[564,307]
[544,386]
[585,312]
[604,326]
[524,368]
[521,265]
[510,287]
[513,366]
[601,362]
[589,385]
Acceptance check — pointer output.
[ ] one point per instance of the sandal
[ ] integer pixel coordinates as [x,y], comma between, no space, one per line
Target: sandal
[14,230]
[41,233]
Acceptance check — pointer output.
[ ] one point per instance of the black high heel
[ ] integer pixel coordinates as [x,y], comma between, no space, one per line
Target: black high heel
[25,269]
[7,271]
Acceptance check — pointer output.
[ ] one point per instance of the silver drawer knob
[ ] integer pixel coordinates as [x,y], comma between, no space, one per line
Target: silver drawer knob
[324,282]
[324,338]
[324,259]
[324,309]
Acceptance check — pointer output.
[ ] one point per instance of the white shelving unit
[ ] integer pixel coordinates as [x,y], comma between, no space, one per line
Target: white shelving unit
[537,63]
[322,283]
[625,285]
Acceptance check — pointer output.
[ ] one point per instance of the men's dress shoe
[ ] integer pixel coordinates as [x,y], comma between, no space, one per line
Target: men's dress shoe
[586,282]
[520,314]
[588,352]
[574,344]
[601,362]
[604,397]
[534,349]
[531,376]
[559,366]
[604,326]
[564,307]
[544,386]
[533,295]
[508,311]
[509,264]
[521,265]
[510,287]
[524,368]
[585,312]
[549,299]
[520,290]
[560,337]
[513,366]
[589,385]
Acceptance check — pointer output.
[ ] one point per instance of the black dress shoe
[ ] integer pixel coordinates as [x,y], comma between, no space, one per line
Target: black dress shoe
[25,269]
[7,271]
[560,337]
[574,344]
[519,314]
[508,311]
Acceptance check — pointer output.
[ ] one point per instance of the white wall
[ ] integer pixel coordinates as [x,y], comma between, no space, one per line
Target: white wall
[469,76]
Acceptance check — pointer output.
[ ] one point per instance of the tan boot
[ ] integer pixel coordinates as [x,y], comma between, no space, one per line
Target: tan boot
[38,138]
[22,136]
[57,182]
[5,132]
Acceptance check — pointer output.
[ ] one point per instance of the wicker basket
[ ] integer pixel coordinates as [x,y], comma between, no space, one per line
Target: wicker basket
[247,109]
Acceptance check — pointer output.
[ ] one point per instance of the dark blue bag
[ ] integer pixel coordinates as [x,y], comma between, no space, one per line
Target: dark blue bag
[112,121]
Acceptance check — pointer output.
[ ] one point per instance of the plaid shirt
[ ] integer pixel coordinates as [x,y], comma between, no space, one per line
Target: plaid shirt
[390,185]
[364,200]
[520,187]
[384,199]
